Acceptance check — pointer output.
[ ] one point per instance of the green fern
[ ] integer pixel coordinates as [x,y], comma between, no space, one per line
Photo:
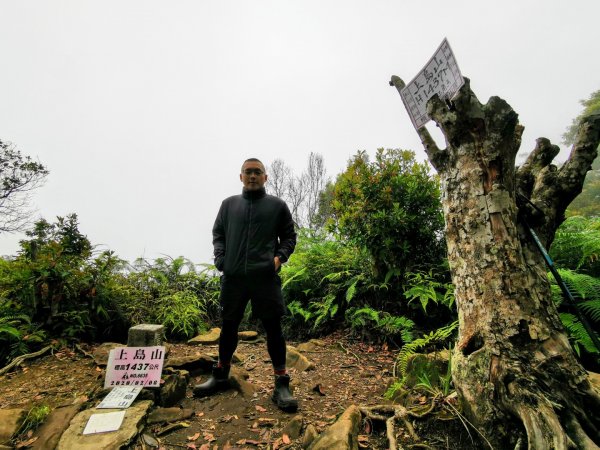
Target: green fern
[578,335]
[384,322]
[9,325]
[295,308]
[426,289]
[436,337]
[577,245]
[586,292]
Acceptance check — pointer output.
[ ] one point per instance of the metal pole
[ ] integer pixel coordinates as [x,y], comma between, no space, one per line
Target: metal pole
[563,287]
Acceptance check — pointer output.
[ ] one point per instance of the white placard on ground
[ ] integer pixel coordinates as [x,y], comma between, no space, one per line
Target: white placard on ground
[120,397]
[440,75]
[102,423]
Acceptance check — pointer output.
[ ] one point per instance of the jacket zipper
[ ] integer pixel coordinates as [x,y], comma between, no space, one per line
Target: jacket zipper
[248,237]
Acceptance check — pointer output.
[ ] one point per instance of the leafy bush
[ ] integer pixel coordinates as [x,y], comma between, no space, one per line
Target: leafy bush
[182,313]
[390,207]
[320,281]
[56,281]
[169,291]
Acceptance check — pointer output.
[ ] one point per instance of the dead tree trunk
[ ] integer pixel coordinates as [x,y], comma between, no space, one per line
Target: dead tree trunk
[513,367]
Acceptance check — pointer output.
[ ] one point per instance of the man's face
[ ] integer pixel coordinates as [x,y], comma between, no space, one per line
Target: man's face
[253,176]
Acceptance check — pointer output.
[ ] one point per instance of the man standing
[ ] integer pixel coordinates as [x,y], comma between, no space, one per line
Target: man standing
[253,236]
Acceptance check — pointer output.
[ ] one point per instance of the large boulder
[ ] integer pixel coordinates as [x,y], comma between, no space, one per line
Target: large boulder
[10,422]
[209,338]
[73,437]
[49,433]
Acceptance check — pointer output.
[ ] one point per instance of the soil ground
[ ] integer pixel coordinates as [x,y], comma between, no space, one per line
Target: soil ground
[346,372]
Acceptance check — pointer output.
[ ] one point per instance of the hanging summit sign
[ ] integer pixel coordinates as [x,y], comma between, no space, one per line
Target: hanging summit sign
[440,75]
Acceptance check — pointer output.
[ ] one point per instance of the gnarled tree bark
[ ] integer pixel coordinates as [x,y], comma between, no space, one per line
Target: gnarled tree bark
[513,367]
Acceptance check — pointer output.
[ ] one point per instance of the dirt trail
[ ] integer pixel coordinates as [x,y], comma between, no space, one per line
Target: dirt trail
[346,372]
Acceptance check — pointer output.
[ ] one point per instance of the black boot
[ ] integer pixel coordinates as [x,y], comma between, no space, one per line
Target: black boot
[218,381]
[282,395]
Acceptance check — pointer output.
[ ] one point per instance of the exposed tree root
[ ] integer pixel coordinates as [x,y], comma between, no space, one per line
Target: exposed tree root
[550,424]
[19,359]
[390,414]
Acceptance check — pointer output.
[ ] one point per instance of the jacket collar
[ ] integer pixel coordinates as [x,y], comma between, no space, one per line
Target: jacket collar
[254,195]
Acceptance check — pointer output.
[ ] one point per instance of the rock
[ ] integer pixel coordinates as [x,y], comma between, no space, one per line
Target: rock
[296,360]
[146,335]
[173,390]
[101,352]
[595,380]
[238,380]
[294,427]
[314,345]
[310,434]
[54,426]
[192,363]
[150,441]
[167,415]
[212,337]
[73,438]
[342,435]
[247,335]
[10,422]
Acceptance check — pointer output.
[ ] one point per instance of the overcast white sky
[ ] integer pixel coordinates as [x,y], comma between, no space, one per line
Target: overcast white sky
[144,110]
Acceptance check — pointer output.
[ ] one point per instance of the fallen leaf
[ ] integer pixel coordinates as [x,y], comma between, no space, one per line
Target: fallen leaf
[192,446]
[209,437]
[260,408]
[194,437]
[286,439]
[199,414]
[204,447]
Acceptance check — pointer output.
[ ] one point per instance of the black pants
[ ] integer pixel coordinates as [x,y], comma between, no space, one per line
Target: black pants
[262,290]
[275,341]
[264,293]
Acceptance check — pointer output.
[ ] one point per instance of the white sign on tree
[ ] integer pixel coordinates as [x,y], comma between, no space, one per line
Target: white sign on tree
[440,75]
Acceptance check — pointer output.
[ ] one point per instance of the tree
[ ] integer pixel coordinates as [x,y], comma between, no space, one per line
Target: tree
[588,202]
[516,374]
[19,175]
[391,207]
[302,193]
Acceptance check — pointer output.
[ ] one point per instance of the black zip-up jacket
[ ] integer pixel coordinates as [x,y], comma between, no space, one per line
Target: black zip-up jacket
[250,230]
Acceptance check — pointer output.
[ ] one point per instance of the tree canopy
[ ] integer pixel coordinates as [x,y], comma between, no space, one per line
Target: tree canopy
[390,206]
[19,175]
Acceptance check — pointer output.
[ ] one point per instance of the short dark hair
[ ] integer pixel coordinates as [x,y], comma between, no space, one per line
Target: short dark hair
[253,160]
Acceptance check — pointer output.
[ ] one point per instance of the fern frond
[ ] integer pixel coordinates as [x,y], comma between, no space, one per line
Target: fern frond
[577,333]
[438,336]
